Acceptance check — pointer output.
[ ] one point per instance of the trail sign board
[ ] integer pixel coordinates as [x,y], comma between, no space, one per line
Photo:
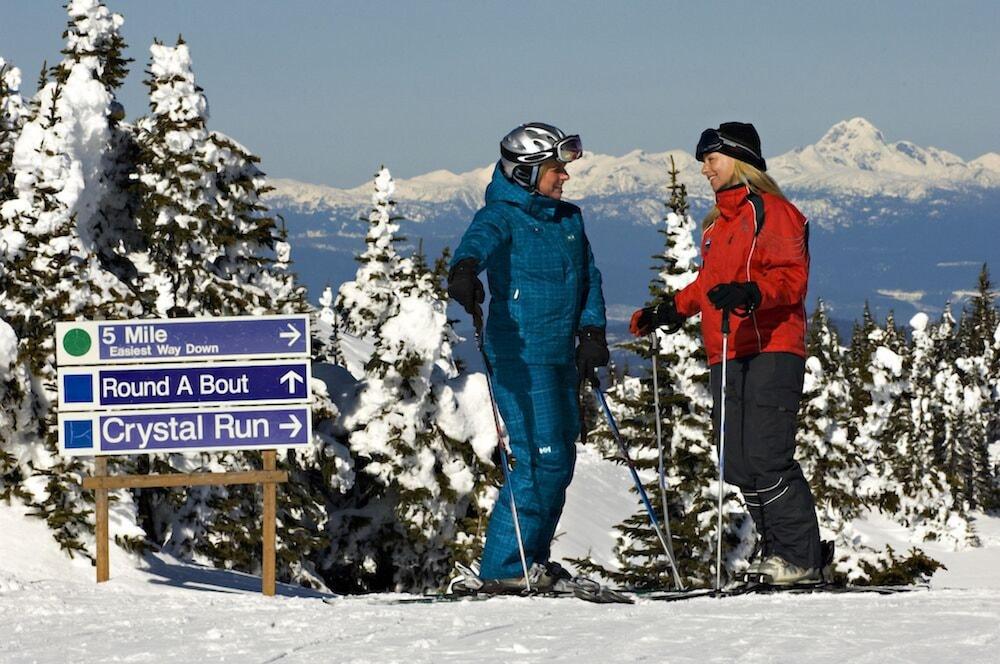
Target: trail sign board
[81,343]
[190,430]
[205,384]
[243,383]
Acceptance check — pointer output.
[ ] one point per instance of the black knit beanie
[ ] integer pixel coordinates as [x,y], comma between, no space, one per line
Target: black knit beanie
[742,134]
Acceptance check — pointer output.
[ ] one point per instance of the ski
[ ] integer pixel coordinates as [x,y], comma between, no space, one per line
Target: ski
[768,589]
[598,595]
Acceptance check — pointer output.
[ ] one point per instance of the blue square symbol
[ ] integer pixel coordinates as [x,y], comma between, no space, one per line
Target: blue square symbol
[79,435]
[78,389]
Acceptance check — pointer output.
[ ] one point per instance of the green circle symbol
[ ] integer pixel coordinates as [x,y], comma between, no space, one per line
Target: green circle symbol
[77,342]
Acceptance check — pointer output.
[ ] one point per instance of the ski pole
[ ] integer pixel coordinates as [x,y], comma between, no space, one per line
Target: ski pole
[506,456]
[635,474]
[722,444]
[654,344]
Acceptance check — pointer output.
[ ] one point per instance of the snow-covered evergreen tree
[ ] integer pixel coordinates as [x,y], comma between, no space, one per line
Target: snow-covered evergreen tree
[176,184]
[403,429]
[12,116]
[17,419]
[106,209]
[367,302]
[930,506]
[976,367]
[93,38]
[826,432]
[897,437]
[326,347]
[211,248]
[864,336]
[825,446]
[53,273]
[690,455]
[248,253]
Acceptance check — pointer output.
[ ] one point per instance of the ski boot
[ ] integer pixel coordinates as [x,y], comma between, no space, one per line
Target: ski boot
[770,569]
[468,582]
[776,571]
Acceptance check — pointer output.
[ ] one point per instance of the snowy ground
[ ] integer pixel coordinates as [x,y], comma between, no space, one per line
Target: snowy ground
[52,611]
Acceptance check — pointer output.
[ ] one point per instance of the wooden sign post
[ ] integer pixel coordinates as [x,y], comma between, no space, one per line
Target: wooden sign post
[228,404]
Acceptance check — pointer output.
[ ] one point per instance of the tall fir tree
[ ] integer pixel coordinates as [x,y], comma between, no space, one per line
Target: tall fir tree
[53,273]
[107,207]
[951,445]
[14,380]
[17,419]
[827,452]
[895,443]
[81,110]
[864,336]
[826,429]
[211,248]
[976,364]
[93,37]
[176,185]
[327,347]
[12,115]
[928,505]
[404,429]
[365,303]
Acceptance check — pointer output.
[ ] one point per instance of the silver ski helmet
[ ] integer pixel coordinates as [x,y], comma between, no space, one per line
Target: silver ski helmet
[524,149]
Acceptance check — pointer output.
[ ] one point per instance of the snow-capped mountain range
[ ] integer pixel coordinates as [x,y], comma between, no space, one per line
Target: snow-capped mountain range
[886,216]
[853,157]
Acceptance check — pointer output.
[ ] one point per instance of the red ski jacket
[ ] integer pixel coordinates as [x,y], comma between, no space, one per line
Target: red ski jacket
[761,238]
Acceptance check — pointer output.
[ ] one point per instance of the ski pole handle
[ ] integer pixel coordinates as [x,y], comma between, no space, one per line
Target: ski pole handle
[725,321]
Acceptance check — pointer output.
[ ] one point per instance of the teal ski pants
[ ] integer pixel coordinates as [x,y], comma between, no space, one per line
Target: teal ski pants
[539,407]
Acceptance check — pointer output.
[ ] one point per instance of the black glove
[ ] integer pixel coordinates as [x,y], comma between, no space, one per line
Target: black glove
[645,320]
[743,295]
[592,352]
[465,288]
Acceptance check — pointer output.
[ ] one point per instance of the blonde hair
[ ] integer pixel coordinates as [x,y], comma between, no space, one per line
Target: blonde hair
[756,179]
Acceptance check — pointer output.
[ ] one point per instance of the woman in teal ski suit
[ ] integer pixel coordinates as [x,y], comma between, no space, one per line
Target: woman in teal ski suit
[545,291]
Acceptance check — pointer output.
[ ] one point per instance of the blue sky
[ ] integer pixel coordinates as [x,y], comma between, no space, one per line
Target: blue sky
[326,91]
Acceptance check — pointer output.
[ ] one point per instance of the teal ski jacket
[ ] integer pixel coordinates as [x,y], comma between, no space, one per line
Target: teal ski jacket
[544,285]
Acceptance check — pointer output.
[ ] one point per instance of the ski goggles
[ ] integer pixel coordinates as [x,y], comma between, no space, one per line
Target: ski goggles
[569,149]
[565,150]
[712,141]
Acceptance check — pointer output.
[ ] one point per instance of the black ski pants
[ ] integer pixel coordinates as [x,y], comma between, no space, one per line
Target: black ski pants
[762,402]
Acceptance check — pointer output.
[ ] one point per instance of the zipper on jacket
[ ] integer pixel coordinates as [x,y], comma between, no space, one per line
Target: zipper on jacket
[753,246]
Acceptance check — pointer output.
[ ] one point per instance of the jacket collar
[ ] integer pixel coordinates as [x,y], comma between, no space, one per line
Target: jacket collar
[731,199]
[502,190]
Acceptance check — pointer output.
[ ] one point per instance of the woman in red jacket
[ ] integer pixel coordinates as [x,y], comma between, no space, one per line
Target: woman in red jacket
[755,266]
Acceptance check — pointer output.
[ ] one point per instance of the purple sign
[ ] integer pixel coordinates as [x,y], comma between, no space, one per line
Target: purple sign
[190,338]
[205,384]
[145,432]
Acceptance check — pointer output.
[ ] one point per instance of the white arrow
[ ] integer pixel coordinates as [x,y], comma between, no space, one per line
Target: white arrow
[295,427]
[290,378]
[292,336]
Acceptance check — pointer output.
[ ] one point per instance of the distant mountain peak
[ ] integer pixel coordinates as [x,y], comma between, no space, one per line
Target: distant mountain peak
[854,143]
[989,161]
[855,130]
